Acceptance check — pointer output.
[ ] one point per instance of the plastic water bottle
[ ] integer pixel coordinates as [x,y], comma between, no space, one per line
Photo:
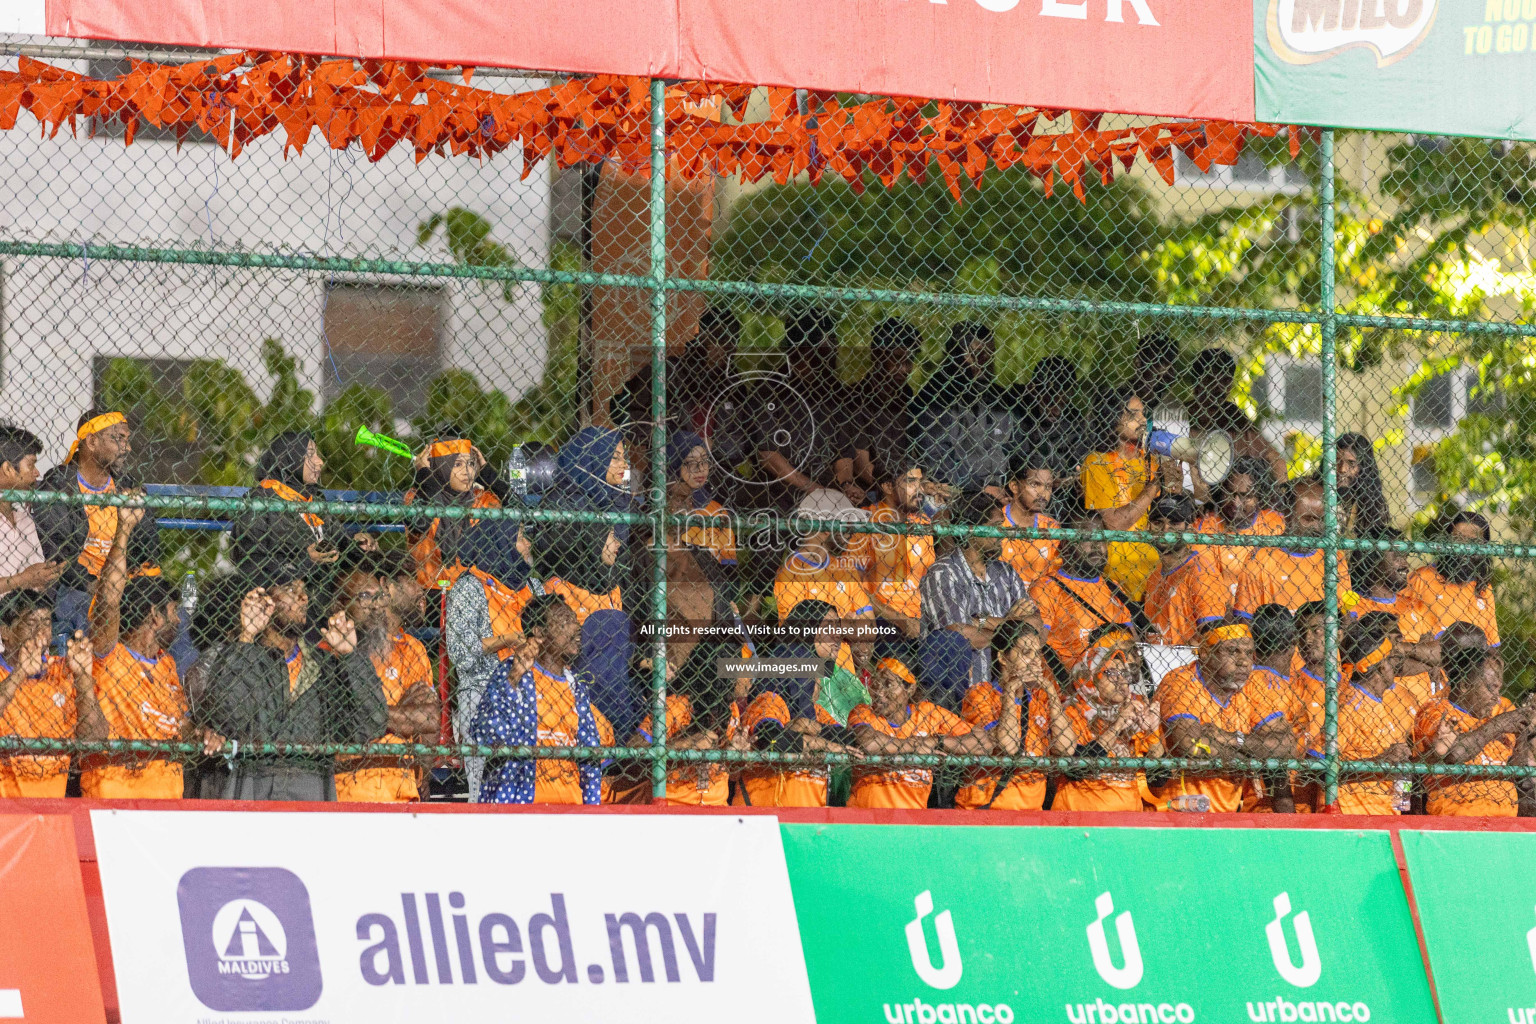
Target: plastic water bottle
[517,473]
[189,593]
[1400,801]
[1197,803]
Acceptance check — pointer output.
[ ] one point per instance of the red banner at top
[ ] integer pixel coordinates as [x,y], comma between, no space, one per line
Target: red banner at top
[1186,58]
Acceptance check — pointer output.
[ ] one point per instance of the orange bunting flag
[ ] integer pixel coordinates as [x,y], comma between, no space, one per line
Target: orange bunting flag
[380,104]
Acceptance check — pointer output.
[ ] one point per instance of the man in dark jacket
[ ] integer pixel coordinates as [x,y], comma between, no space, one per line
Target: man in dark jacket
[269,685]
[81,535]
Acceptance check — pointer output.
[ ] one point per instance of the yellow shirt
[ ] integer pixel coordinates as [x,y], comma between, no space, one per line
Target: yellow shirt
[1110,480]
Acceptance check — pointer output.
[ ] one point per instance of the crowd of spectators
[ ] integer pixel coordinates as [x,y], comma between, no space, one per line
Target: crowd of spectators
[318,637]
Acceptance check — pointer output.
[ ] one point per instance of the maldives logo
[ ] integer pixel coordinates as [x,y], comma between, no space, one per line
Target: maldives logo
[249,938]
[1307,31]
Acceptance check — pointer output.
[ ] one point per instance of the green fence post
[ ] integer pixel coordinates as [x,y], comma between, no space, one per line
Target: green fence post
[658,431]
[1329,327]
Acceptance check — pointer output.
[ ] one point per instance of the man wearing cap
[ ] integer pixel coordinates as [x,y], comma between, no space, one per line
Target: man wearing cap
[80,536]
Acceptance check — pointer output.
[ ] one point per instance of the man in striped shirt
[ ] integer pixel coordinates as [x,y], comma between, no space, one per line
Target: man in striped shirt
[966,595]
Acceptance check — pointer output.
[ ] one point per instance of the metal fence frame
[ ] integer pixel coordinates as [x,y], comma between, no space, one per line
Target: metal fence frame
[657,283]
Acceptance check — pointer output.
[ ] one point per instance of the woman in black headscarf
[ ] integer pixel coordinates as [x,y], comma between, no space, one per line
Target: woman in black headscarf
[289,470]
[450,471]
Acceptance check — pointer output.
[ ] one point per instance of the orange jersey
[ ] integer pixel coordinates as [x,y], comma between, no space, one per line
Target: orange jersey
[1073,608]
[801,579]
[404,665]
[1111,480]
[582,602]
[555,782]
[1368,726]
[1268,523]
[983,706]
[101,528]
[900,787]
[1106,791]
[694,784]
[767,787]
[1182,600]
[505,606]
[1412,614]
[430,570]
[891,566]
[710,528]
[1489,798]
[1449,602]
[1182,696]
[1275,576]
[43,707]
[1031,559]
[142,699]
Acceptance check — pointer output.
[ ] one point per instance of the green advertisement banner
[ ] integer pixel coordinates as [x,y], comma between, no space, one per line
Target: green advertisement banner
[1476,893]
[1457,67]
[944,925]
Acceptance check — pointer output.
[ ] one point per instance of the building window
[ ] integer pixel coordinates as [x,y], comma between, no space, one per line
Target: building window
[1291,391]
[1250,173]
[1446,400]
[105,69]
[387,337]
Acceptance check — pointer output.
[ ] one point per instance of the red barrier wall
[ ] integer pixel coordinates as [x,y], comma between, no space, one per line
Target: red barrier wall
[91,876]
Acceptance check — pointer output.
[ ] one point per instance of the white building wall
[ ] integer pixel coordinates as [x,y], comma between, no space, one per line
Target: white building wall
[60,313]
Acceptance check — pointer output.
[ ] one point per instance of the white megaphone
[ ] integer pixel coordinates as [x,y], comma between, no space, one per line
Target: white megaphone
[1210,451]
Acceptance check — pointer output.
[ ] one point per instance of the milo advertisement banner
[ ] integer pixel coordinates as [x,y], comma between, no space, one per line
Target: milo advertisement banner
[1458,67]
[943,925]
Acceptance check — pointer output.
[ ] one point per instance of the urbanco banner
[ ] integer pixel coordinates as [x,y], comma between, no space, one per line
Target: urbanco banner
[1456,67]
[1476,894]
[942,925]
[375,918]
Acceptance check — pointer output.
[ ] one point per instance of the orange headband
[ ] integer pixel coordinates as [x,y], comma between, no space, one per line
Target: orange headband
[1109,641]
[442,449]
[94,425]
[901,670]
[1233,631]
[1375,658]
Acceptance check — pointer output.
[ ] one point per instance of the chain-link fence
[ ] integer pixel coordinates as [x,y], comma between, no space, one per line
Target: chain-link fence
[888,453]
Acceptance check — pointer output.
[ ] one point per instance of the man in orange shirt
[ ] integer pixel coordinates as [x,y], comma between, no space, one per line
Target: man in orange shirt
[893,724]
[1243,509]
[1376,718]
[80,536]
[1291,578]
[137,686]
[1473,723]
[1120,481]
[1075,600]
[1210,709]
[1459,588]
[1382,579]
[1030,491]
[892,566]
[405,673]
[1186,592]
[817,571]
[42,697]
[533,699]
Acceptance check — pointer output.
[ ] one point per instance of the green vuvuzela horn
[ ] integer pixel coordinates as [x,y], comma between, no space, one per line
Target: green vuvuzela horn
[384,443]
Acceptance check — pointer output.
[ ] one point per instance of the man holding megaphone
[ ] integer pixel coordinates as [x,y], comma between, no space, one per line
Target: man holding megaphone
[1121,479]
